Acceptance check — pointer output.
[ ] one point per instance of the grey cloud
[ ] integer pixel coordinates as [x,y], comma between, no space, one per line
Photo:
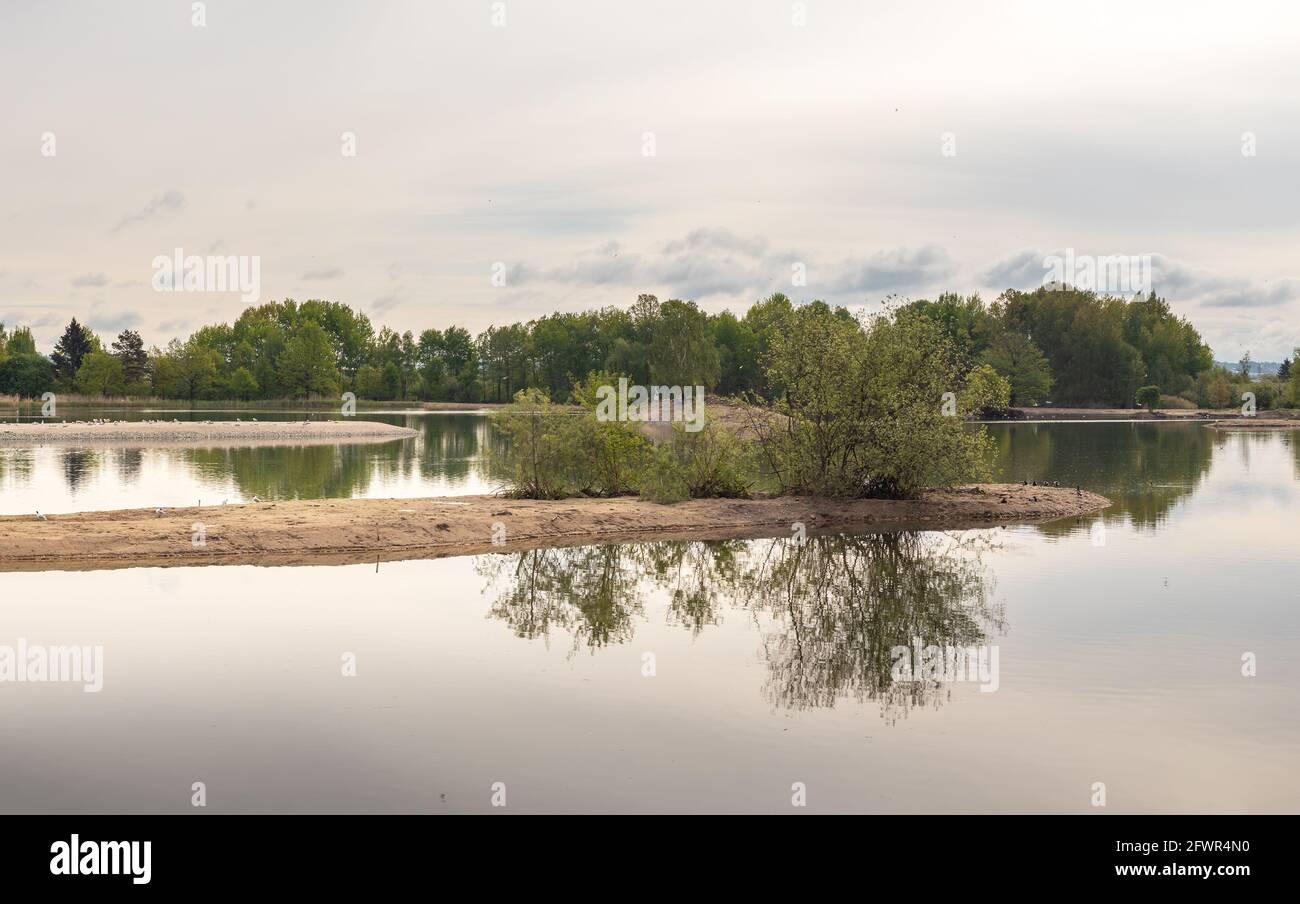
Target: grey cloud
[173,326]
[1022,270]
[323,274]
[899,269]
[386,302]
[112,322]
[709,262]
[167,202]
[714,239]
[1170,278]
[96,280]
[1173,278]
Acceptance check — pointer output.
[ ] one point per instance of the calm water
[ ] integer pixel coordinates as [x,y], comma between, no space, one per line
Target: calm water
[446,458]
[1119,654]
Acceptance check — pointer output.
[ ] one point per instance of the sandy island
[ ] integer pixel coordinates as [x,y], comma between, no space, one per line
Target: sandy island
[340,531]
[207,433]
[1263,423]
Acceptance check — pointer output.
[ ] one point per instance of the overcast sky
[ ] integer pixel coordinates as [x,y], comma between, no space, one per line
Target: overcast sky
[1107,128]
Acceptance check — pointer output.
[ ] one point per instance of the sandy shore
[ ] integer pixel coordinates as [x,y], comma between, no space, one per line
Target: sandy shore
[366,530]
[1141,414]
[1263,423]
[208,433]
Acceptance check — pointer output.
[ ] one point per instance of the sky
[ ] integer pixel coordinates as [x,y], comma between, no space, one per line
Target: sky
[521,157]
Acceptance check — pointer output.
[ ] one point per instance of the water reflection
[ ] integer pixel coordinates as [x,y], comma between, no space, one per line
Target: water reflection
[1144,468]
[830,609]
[448,456]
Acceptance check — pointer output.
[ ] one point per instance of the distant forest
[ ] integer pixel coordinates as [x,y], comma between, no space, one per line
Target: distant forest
[1054,345]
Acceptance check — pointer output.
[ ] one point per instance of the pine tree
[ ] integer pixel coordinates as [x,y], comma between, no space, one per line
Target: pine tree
[72,347]
[129,349]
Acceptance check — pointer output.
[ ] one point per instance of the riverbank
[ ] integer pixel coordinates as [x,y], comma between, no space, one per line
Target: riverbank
[342,531]
[206,433]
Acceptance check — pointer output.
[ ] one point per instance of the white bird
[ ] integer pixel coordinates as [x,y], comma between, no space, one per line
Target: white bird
[224,501]
[158,512]
[257,499]
[40,517]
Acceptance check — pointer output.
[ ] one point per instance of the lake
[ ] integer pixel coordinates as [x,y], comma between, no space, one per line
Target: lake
[680,676]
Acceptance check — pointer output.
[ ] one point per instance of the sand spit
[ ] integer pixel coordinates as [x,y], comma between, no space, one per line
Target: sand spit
[206,433]
[338,531]
[1263,423]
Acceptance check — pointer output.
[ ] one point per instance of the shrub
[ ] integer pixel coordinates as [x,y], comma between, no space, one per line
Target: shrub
[864,411]
[1149,397]
[535,460]
[606,453]
[704,464]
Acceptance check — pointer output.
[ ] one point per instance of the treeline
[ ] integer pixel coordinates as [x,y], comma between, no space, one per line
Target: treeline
[1054,344]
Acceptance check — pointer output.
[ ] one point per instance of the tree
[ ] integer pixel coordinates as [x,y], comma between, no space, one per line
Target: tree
[1015,357]
[738,352]
[306,367]
[862,408]
[1149,397]
[21,341]
[101,374]
[1243,366]
[72,347]
[129,349]
[27,375]
[682,352]
[391,382]
[1284,370]
[1219,393]
[369,382]
[242,385]
[186,371]
[986,391]
[1295,379]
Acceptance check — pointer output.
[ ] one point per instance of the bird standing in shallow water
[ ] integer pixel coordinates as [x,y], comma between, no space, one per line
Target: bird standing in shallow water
[40,517]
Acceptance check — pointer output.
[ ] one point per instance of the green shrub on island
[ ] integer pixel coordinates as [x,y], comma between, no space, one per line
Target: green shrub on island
[872,409]
[710,463]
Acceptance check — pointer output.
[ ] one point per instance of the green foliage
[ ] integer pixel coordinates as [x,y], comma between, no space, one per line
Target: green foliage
[863,411]
[306,367]
[185,371]
[72,347]
[129,350]
[607,454]
[986,391]
[101,374]
[704,464]
[26,374]
[1014,356]
[1149,397]
[682,352]
[535,460]
[21,342]
[1265,394]
[1219,391]
[1078,346]
[242,384]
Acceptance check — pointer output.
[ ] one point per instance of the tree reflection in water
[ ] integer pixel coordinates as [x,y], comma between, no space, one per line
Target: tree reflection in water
[829,609]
